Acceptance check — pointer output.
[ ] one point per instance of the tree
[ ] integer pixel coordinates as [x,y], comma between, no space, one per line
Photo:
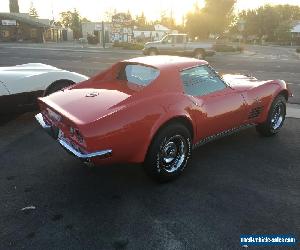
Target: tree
[167,20]
[32,11]
[219,14]
[14,6]
[73,20]
[214,18]
[109,14]
[271,22]
[196,23]
[140,20]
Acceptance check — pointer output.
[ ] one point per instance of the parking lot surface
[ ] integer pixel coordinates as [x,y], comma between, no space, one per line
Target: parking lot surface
[241,184]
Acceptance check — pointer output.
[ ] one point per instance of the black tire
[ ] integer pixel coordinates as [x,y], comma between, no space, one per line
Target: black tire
[199,54]
[276,117]
[152,52]
[56,86]
[169,153]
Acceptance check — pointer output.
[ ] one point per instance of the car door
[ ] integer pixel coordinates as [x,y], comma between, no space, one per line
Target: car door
[166,47]
[218,107]
[179,46]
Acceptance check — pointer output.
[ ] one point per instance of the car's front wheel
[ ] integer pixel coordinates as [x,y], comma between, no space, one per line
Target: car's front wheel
[169,153]
[276,117]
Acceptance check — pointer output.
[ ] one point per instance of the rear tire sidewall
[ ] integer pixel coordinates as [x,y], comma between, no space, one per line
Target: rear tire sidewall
[266,128]
[152,162]
[152,52]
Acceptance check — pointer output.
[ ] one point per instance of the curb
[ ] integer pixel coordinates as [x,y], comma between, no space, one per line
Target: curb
[101,50]
[293,111]
[297,55]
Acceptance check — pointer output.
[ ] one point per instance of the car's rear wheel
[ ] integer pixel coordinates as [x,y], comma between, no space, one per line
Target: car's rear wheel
[152,52]
[169,153]
[58,85]
[276,117]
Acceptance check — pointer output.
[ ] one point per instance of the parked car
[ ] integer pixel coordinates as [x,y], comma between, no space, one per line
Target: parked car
[178,44]
[156,109]
[21,85]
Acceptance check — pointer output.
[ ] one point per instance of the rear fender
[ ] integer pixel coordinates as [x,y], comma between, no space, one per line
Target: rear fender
[272,90]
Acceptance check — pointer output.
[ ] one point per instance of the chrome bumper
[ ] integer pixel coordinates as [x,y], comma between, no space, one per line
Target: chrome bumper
[102,154]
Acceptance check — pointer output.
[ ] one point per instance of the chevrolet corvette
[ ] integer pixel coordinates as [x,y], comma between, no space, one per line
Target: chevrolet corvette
[156,109]
[21,85]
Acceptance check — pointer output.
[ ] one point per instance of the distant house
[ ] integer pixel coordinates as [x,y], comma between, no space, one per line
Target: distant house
[151,32]
[95,29]
[296,33]
[22,27]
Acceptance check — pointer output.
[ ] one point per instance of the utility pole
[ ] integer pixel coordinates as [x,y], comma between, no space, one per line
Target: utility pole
[103,35]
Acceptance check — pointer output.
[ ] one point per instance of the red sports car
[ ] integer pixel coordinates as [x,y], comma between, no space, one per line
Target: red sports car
[156,109]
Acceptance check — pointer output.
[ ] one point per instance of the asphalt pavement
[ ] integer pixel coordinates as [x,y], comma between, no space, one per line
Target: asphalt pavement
[241,184]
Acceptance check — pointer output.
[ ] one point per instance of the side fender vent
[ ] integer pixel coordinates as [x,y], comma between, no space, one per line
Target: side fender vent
[255,112]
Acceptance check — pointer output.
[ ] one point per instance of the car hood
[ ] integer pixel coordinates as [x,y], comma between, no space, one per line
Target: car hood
[242,82]
[152,43]
[18,72]
[86,105]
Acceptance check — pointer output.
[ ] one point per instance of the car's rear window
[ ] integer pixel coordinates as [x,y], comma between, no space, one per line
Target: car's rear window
[139,74]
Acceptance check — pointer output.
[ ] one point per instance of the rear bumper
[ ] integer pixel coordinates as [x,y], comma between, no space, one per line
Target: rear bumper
[67,146]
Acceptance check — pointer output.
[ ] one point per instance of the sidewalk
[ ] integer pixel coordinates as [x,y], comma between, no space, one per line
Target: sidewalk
[68,46]
[293,110]
[72,44]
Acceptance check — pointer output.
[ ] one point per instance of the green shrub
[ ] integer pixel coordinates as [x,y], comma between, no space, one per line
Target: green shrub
[298,50]
[129,46]
[134,46]
[224,48]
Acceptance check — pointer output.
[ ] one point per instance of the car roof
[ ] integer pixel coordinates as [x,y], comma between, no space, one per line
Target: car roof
[167,62]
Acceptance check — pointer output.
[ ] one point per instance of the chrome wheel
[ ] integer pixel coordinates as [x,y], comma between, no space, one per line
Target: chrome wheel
[277,116]
[173,153]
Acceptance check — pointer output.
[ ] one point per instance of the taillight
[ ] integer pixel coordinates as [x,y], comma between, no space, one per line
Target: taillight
[74,132]
[79,136]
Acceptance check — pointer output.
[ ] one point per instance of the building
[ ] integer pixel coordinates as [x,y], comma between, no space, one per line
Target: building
[95,29]
[151,33]
[296,33]
[122,28]
[23,28]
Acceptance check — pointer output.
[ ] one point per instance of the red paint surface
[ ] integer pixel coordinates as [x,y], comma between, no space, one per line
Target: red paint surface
[125,118]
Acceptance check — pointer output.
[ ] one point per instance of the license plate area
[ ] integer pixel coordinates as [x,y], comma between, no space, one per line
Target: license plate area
[61,136]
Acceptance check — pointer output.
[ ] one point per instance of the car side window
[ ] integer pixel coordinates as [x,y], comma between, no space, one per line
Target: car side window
[200,81]
[138,74]
[180,39]
[169,39]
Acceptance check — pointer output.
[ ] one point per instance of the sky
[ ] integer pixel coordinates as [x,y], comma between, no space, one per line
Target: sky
[95,10]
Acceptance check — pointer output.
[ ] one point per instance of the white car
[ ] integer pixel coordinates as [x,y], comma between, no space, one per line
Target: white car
[21,85]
